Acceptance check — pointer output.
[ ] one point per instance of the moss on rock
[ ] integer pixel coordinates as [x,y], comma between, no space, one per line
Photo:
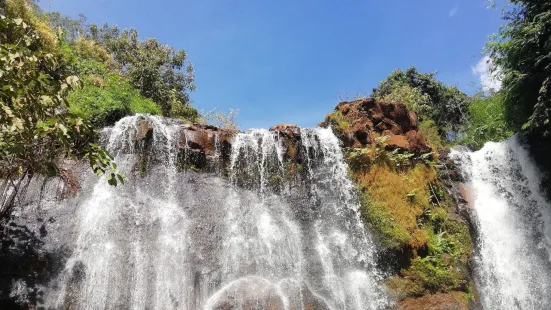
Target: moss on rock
[425,247]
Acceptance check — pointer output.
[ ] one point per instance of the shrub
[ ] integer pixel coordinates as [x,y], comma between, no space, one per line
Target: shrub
[104,102]
[521,52]
[339,122]
[443,104]
[413,98]
[487,121]
[429,130]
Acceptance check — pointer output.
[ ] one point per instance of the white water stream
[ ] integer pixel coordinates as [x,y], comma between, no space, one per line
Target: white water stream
[513,255]
[253,240]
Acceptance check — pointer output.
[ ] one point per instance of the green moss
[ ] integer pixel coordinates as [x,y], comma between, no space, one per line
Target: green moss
[387,231]
[407,211]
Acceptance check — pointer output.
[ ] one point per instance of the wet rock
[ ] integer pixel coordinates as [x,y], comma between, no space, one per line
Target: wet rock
[144,129]
[287,129]
[450,175]
[254,292]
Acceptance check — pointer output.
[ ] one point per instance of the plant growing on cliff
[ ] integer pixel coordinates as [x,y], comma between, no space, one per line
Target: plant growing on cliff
[36,128]
[487,121]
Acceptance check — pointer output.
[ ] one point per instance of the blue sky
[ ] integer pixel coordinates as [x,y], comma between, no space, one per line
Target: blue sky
[291,61]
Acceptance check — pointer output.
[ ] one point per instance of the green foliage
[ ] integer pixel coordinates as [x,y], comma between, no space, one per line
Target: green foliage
[432,274]
[522,51]
[487,121]
[106,95]
[413,98]
[407,209]
[430,98]
[158,71]
[379,154]
[429,130]
[389,233]
[36,128]
[104,102]
[72,28]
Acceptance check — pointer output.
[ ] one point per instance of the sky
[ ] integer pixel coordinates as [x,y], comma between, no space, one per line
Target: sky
[292,61]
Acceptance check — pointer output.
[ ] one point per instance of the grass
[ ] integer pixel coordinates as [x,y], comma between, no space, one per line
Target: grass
[338,121]
[396,200]
[407,211]
[429,130]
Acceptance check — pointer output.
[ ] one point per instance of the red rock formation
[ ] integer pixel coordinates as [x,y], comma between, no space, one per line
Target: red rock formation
[366,120]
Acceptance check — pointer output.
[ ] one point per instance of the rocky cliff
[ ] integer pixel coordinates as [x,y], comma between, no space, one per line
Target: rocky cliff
[413,201]
[411,198]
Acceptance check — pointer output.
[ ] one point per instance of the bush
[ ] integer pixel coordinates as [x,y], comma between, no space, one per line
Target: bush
[429,130]
[413,98]
[430,98]
[521,52]
[487,121]
[104,102]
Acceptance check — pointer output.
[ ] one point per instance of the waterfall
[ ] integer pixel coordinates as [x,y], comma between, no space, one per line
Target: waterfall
[260,233]
[513,223]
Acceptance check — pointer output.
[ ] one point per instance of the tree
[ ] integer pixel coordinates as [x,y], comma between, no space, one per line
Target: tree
[158,71]
[522,51]
[36,129]
[72,28]
[430,98]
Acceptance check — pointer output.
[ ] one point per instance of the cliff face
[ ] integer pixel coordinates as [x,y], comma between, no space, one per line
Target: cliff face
[409,203]
[421,229]
[408,200]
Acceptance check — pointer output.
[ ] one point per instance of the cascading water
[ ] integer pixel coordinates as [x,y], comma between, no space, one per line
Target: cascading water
[513,220]
[261,233]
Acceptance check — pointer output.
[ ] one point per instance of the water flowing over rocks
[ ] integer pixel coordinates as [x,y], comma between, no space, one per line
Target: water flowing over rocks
[512,219]
[208,219]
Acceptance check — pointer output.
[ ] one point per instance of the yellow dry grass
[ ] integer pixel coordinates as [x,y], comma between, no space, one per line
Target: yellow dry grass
[404,194]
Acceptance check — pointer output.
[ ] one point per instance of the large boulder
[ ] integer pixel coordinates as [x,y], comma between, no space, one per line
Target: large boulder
[360,122]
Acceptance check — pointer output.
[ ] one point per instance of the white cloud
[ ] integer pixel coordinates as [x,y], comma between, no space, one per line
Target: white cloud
[454,10]
[490,81]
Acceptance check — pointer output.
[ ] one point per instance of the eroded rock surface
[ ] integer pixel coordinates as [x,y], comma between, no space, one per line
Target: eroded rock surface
[362,121]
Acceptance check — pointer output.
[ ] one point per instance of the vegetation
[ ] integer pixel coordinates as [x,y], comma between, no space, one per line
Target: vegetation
[487,120]
[428,97]
[521,50]
[104,101]
[36,126]
[130,73]
[158,71]
[339,122]
[405,205]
